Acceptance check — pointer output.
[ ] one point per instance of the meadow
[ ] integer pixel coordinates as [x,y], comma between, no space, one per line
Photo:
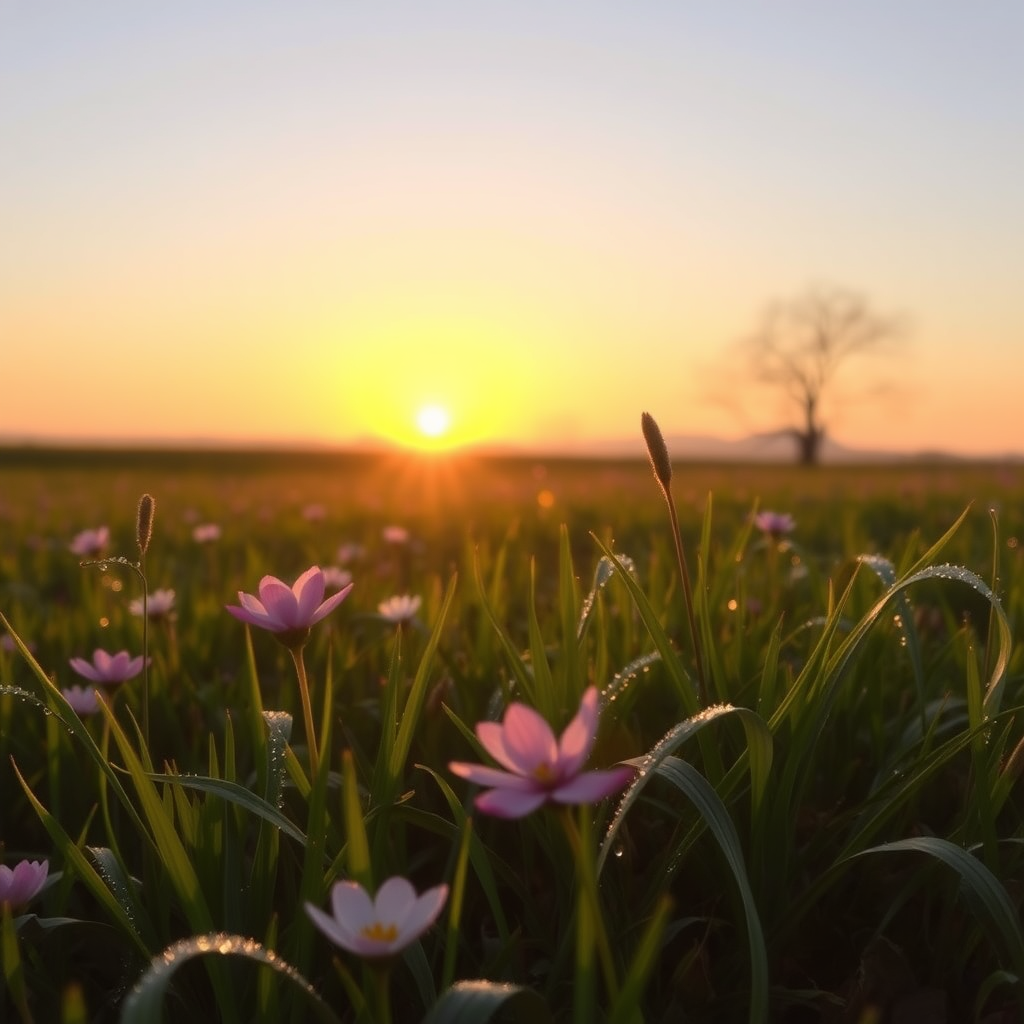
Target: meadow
[810,731]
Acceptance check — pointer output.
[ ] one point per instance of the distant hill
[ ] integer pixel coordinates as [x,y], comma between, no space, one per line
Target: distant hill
[768,447]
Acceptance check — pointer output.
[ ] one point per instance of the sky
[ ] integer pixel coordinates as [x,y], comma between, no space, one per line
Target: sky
[308,221]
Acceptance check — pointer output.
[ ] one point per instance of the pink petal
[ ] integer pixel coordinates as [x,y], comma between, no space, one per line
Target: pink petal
[590,787]
[579,735]
[330,604]
[251,604]
[252,618]
[85,669]
[25,881]
[509,803]
[280,602]
[529,741]
[423,913]
[395,899]
[333,929]
[482,775]
[492,737]
[309,592]
[351,903]
[102,661]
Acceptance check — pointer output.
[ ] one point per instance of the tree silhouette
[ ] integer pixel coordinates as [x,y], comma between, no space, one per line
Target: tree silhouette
[800,347]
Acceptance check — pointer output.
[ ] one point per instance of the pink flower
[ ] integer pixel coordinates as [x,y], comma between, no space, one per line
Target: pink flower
[350,552]
[22,882]
[335,577]
[400,608]
[90,543]
[395,534]
[83,699]
[378,927]
[540,768]
[7,644]
[206,533]
[289,612]
[108,668]
[158,605]
[775,524]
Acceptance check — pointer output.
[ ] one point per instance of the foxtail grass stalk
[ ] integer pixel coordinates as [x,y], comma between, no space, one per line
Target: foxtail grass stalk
[307,709]
[662,466]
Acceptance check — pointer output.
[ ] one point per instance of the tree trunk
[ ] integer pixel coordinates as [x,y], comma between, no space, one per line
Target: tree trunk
[809,439]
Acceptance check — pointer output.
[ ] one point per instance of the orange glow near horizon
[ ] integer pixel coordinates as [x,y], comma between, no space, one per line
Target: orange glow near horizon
[494,210]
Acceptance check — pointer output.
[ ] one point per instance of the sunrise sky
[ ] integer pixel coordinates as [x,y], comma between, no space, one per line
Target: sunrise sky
[308,221]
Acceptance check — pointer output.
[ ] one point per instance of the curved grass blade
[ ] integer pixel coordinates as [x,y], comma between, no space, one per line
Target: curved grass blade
[710,807]
[684,685]
[69,719]
[477,1002]
[524,680]
[604,571]
[144,1004]
[759,753]
[235,794]
[626,1008]
[410,717]
[989,899]
[477,853]
[625,677]
[89,875]
[886,573]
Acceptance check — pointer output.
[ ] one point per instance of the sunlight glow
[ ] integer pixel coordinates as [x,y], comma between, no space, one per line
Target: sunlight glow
[433,421]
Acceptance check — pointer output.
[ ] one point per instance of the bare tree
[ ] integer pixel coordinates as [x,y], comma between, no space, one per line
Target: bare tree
[800,347]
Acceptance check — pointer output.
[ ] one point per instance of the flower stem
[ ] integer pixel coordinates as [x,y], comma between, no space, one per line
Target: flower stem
[590,930]
[382,993]
[145,649]
[307,709]
[687,594]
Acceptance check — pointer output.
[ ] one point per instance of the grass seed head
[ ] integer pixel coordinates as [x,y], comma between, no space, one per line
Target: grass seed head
[657,449]
[144,522]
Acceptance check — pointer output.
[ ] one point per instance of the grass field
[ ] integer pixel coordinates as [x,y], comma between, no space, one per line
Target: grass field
[822,821]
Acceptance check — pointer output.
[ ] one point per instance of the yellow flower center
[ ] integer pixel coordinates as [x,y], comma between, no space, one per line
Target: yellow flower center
[379,932]
[543,772]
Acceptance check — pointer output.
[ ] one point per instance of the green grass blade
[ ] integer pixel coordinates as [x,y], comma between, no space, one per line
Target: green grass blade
[144,1004]
[684,685]
[356,844]
[544,697]
[568,603]
[710,807]
[482,864]
[759,754]
[626,1009]
[524,679]
[170,849]
[990,900]
[458,892]
[417,694]
[478,1002]
[235,794]
[92,880]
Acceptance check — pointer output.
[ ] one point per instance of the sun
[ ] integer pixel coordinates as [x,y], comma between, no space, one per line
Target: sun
[433,423]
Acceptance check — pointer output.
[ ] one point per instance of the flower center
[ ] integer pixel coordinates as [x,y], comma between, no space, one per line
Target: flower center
[544,773]
[378,932]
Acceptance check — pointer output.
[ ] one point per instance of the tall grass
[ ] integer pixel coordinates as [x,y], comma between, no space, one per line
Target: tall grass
[827,734]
